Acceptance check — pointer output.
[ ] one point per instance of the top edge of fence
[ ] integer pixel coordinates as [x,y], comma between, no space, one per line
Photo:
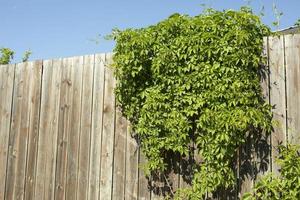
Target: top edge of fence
[290,30]
[57,59]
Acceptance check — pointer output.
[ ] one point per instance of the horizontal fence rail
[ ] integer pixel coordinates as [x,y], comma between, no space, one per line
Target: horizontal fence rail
[63,137]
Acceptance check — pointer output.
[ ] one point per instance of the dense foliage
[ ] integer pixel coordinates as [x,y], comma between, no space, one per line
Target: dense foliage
[194,80]
[286,185]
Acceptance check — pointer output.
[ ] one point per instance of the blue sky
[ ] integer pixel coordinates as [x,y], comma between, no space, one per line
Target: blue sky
[53,29]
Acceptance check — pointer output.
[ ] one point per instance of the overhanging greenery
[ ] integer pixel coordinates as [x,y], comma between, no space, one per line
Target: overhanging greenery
[194,80]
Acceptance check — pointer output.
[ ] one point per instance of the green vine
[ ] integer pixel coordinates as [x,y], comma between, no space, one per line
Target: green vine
[194,80]
[286,184]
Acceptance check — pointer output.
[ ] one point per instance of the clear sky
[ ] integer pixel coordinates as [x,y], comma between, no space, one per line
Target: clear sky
[53,28]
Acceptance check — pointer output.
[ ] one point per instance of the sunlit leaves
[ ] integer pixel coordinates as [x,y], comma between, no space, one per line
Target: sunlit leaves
[286,185]
[194,80]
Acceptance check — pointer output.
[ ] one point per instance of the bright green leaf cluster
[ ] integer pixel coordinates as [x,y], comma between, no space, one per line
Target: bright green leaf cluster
[6,55]
[194,80]
[286,186]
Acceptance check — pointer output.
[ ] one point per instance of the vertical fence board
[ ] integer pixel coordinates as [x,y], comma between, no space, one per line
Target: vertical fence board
[262,146]
[184,171]
[74,133]
[16,153]
[132,152]
[34,104]
[6,92]
[23,122]
[144,192]
[108,135]
[86,109]
[96,129]
[246,167]
[45,172]
[64,126]
[292,56]
[119,156]
[277,94]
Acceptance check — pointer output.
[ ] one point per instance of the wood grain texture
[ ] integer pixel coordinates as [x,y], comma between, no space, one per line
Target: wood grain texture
[106,176]
[119,156]
[48,130]
[85,130]
[144,187]
[277,94]
[96,127]
[262,145]
[64,127]
[33,132]
[27,82]
[132,153]
[6,92]
[292,58]
[74,132]
[246,170]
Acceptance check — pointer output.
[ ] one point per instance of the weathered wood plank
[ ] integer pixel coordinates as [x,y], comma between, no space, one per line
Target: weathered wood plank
[74,133]
[277,94]
[96,129]
[45,172]
[108,135]
[85,131]
[172,184]
[23,122]
[292,57]
[144,189]
[33,132]
[119,156]
[246,174]
[48,130]
[6,93]
[262,145]
[132,153]
[64,128]
[14,140]
[184,170]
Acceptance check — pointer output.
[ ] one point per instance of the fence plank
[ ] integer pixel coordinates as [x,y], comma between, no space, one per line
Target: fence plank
[144,192]
[246,176]
[45,172]
[96,129]
[6,92]
[131,186]
[64,127]
[33,132]
[277,94]
[84,148]
[119,156]
[23,122]
[262,146]
[108,135]
[292,56]
[74,133]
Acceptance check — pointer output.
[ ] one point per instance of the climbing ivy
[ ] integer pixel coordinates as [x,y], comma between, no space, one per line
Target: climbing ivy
[286,184]
[194,80]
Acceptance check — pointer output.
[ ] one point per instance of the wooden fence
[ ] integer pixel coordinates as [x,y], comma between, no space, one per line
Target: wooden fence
[62,137]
